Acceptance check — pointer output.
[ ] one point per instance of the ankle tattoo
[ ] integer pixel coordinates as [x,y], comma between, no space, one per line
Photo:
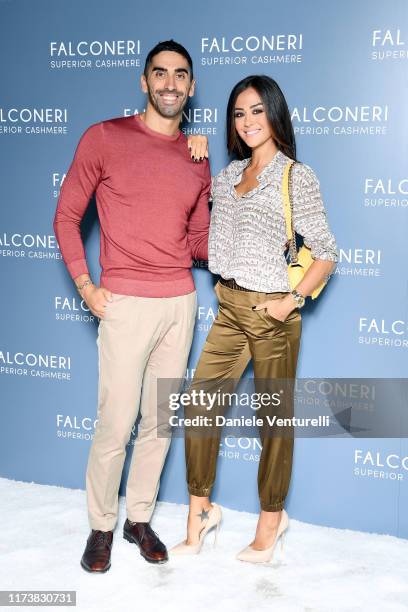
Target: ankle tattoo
[203,514]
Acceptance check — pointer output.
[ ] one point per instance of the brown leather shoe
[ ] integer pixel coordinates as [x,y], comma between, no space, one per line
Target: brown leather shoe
[151,548]
[96,557]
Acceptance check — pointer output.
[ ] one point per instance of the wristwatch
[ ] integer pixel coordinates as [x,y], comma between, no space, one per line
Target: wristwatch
[84,284]
[299,299]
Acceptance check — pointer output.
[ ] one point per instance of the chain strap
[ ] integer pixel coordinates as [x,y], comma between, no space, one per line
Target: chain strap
[292,244]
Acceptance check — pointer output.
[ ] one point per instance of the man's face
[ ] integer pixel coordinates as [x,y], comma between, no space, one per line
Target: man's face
[168,83]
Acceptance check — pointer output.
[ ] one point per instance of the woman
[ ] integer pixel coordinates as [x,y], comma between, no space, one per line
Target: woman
[259,315]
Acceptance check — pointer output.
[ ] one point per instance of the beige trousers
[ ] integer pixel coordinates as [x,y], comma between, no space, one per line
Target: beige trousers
[139,340]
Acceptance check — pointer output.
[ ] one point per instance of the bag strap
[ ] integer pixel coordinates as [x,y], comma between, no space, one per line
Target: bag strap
[288,208]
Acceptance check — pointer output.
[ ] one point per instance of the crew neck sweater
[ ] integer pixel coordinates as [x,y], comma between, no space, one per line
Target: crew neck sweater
[152,203]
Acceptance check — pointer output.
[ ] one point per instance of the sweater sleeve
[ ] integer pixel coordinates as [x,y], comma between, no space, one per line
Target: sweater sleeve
[81,181]
[309,215]
[199,220]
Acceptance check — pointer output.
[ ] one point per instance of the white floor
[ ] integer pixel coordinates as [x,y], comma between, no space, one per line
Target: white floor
[44,530]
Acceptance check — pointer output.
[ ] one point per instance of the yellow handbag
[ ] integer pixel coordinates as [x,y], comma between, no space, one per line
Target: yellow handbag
[300,260]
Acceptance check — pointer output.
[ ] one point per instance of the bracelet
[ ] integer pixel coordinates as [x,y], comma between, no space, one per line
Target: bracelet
[84,284]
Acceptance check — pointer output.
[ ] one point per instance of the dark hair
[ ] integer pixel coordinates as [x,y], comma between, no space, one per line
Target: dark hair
[168,45]
[277,113]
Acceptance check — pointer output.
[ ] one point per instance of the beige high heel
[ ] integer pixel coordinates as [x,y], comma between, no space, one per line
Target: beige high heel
[264,556]
[213,521]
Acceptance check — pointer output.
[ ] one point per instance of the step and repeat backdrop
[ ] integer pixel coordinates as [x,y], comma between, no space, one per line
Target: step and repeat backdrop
[342,66]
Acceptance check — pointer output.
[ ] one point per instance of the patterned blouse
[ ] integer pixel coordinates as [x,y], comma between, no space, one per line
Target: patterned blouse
[248,233]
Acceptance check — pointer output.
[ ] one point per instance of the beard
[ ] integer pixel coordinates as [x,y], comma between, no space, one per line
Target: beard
[167,110]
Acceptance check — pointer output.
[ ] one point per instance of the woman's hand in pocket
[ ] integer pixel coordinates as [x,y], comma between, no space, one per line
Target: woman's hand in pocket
[277,309]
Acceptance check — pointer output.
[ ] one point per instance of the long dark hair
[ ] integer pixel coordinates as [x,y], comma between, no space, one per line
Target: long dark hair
[277,112]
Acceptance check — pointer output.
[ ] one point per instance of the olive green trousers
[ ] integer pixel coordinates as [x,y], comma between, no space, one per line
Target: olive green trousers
[237,335]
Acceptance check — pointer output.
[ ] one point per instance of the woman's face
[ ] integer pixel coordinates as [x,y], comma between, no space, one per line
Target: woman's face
[250,117]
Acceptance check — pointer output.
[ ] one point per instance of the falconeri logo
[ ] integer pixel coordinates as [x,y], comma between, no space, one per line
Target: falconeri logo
[205,318]
[388,45]
[385,193]
[195,120]
[200,121]
[75,427]
[127,112]
[34,121]
[340,120]
[240,449]
[72,309]
[254,49]
[198,263]
[376,464]
[38,365]
[81,427]
[57,179]
[334,395]
[29,246]
[94,54]
[359,262]
[383,332]
[190,373]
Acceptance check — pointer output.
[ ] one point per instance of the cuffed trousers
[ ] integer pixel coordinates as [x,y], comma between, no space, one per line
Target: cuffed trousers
[139,341]
[237,335]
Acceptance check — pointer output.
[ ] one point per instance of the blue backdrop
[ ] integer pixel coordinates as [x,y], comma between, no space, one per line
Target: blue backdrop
[342,67]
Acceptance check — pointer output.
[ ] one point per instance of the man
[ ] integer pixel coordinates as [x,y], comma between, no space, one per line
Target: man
[152,202]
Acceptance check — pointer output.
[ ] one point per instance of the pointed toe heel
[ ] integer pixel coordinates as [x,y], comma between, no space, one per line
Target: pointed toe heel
[251,555]
[213,522]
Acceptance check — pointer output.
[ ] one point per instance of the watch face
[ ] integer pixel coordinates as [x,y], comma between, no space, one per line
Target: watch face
[300,300]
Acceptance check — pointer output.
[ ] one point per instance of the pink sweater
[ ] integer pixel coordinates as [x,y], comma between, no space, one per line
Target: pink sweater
[152,202]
